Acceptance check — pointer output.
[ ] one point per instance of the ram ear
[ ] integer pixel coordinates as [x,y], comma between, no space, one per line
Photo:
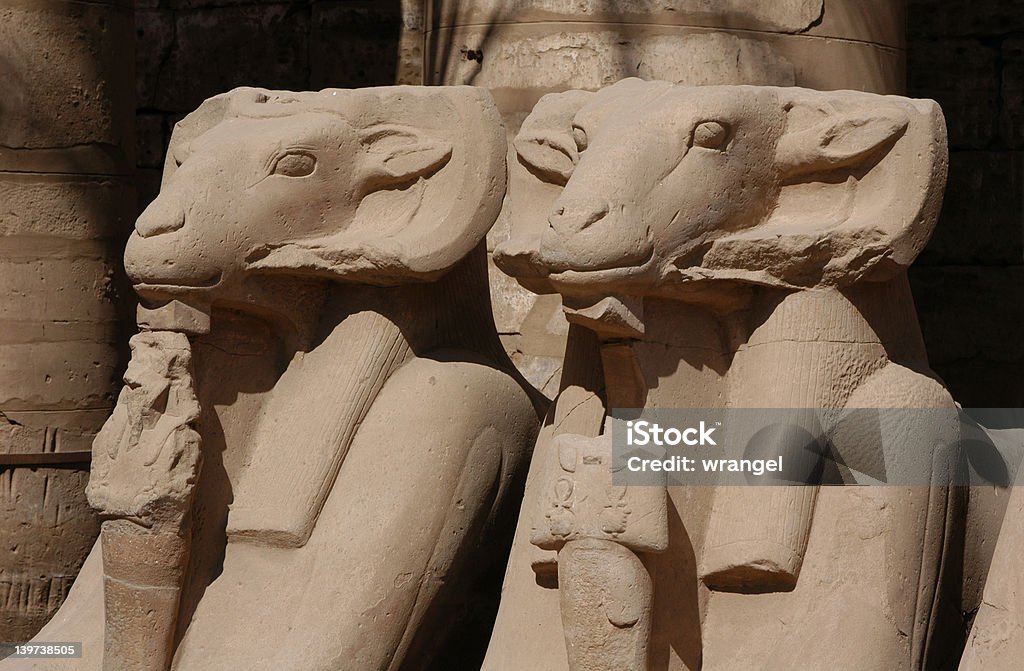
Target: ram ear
[545,144]
[860,185]
[397,154]
[840,140]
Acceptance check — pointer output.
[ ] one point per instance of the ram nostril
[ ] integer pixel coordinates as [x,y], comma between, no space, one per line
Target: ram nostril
[595,216]
[157,222]
[573,219]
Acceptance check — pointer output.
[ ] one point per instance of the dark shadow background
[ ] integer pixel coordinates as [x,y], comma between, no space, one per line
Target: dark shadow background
[969,284]
[189,50]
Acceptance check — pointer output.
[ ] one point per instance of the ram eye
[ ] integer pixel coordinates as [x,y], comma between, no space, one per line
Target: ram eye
[294,164]
[710,135]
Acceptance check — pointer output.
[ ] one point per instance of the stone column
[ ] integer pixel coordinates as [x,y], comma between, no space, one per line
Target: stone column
[410,44]
[66,164]
[522,49]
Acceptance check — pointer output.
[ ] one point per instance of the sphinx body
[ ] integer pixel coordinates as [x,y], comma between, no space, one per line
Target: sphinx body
[995,640]
[362,432]
[731,247]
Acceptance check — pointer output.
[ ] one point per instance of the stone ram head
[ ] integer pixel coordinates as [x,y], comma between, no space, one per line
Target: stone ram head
[649,188]
[381,186]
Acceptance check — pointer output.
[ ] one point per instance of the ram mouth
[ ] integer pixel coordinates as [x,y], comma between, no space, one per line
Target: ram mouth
[540,262]
[570,273]
[157,289]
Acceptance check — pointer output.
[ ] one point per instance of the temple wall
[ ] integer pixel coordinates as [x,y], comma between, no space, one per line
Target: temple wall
[66,182]
[969,282]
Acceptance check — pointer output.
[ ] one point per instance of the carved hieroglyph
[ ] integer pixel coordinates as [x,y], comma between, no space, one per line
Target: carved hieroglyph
[146,460]
[361,431]
[726,247]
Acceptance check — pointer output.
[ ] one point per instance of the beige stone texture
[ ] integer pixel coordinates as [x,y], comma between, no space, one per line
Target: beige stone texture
[543,56]
[730,247]
[997,636]
[322,444]
[70,93]
[66,144]
[875,21]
